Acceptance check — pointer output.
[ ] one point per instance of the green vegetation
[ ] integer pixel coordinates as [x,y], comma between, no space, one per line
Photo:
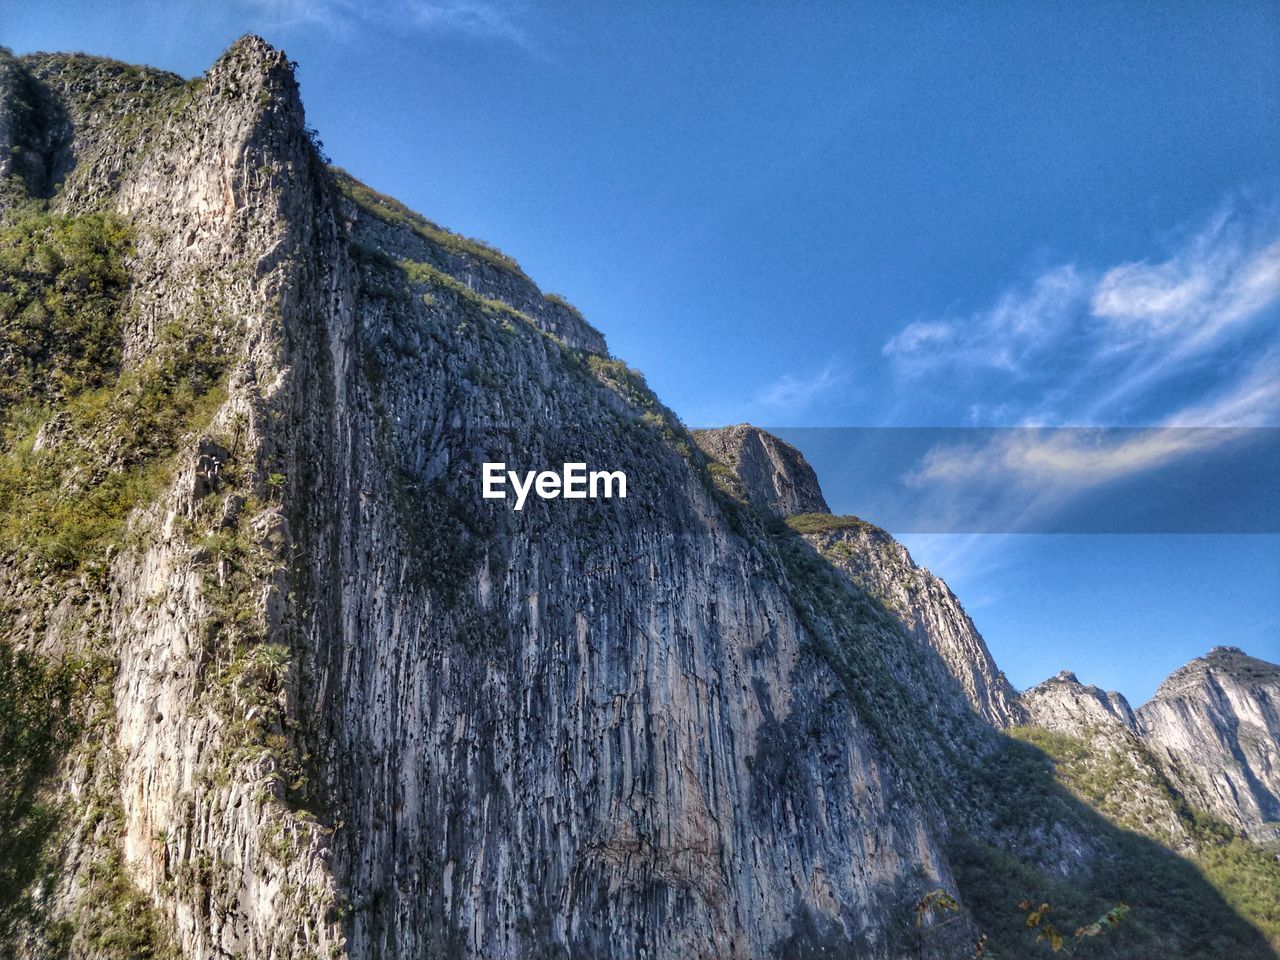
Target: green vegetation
[104,452]
[391,210]
[807,523]
[560,301]
[81,442]
[622,379]
[45,709]
[1246,874]
[35,698]
[117,921]
[1178,909]
[428,275]
[61,281]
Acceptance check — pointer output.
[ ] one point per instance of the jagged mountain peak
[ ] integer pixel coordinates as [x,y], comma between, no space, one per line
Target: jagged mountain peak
[1222,660]
[1216,722]
[763,470]
[266,70]
[772,476]
[344,707]
[1065,704]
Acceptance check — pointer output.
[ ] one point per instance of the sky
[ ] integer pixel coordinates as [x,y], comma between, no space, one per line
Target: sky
[865,215]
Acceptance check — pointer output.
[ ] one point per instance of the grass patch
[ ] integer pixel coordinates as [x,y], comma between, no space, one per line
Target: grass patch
[35,699]
[61,281]
[806,523]
[427,275]
[103,453]
[390,210]
[82,443]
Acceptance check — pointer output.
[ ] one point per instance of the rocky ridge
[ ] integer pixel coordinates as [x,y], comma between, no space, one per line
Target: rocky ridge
[1210,733]
[328,703]
[761,470]
[1215,725]
[774,477]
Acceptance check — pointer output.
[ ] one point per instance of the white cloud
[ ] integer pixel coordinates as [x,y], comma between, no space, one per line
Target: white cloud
[1252,399]
[1104,346]
[1217,281]
[1054,460]
[790,394]
[1007,336]
[504,22]
[922,335]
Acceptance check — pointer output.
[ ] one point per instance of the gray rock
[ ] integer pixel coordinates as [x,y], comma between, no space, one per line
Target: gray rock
[352,709]
[1064,704]
[775,477]
[1215,724]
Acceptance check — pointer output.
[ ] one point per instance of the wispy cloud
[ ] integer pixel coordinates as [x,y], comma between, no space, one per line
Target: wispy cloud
[1093,345]
[790,395]
[1217,282]
[1051,460]
[1007,336]
[1189,340]
[1251,399]
[484,19]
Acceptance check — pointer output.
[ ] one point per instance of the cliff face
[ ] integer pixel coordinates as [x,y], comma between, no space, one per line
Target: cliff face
[185,744]
[1215,724]
[322,699]
[926,609]
[1209,735]
[1104,757]
[1063,703]
[758,468]
[770,475]
[355,708]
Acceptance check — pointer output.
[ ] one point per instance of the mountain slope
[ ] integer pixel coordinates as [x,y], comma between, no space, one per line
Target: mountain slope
[1104,756]
[1215,723]
[337,667]
[317,697]
[759,469]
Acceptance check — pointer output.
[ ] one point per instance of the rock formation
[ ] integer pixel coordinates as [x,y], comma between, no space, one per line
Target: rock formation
[1215,725]
[1063,703]
[289,687]
[775,478]
[770,475]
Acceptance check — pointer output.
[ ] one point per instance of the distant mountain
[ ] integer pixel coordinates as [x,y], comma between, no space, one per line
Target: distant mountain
[276,681]
[1215,725]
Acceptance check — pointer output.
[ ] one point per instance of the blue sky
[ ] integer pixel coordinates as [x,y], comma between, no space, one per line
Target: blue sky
[874,214]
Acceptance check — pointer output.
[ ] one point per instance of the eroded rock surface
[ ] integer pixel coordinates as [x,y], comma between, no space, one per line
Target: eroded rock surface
[774,476]
[332,703]
[1215,723]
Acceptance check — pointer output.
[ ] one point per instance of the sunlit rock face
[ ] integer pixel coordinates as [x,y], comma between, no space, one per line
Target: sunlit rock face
[1215,723]
[774,476]
[356,709]
[341,706]
[1063,703]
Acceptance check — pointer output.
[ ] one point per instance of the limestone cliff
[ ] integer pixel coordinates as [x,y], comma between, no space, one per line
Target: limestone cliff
[1104,756]
[352,707]
[1063,703]
[1215,724]
[770,475]
[287,686]
[1209,735]
[774,477]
